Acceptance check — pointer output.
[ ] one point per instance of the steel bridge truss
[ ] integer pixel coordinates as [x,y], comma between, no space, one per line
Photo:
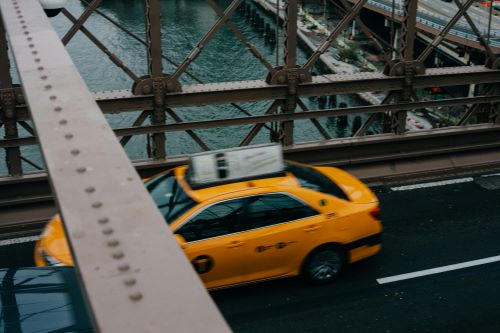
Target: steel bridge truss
[92,177]
[158,94]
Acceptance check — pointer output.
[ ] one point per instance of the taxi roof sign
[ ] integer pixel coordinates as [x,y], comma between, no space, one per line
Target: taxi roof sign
[235,164]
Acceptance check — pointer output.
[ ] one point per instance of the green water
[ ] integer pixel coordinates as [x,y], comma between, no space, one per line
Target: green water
[184,23]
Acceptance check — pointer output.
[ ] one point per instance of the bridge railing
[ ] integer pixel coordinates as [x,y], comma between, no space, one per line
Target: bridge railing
[258,90]
[438,22]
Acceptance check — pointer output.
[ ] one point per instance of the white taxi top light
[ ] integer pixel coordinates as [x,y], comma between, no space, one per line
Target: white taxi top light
[235,164]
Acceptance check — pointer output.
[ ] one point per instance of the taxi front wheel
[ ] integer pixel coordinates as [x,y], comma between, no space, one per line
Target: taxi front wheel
[324,265]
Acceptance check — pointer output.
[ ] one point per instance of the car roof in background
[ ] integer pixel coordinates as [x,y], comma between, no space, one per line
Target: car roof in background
[42,299]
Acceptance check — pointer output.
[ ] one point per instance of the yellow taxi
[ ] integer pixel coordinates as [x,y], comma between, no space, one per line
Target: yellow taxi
[252,217]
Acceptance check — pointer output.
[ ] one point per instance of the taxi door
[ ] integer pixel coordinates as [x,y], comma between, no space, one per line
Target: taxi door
[281,231]
[212,244]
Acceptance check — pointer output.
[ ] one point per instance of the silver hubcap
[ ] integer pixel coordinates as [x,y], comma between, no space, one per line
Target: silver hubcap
[325,265]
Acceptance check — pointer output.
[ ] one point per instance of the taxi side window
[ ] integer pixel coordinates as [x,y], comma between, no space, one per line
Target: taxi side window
[266,210]
[216,220]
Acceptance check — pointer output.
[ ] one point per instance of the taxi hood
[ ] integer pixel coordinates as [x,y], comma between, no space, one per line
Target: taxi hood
[355,190]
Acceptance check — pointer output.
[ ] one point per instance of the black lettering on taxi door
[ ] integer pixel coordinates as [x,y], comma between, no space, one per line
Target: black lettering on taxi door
[202,264]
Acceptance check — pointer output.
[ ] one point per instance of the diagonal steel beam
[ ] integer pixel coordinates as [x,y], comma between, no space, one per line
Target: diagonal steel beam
[208,36]
[256,129]
[137,38]
[79,23]
[439,38]
[129,287]
[338,29]
[138,122]
[368,123]
[315,122]
[474,28]
[103,48]
[192,134]
[464,120]
[34,165]
[237,32]
[361,131]
[27,127]
[376,39]
[140,40]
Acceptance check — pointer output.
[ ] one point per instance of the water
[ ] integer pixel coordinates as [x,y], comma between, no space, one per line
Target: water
[225,58]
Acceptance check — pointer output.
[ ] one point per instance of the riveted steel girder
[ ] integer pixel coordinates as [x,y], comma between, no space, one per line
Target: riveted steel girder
[129,287]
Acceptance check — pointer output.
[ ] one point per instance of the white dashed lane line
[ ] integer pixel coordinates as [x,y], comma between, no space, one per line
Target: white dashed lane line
[433,184]
[20,240]
[437,270]
[440,183]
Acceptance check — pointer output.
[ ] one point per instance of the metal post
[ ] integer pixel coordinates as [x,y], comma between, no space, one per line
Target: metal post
[398,119]
[489,22]
[409,29]
[286,128]
[155,68]
[277,32]
[495,107]
[8,104]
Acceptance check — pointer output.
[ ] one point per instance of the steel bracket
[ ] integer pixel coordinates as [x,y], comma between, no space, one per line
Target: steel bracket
[399,68]
[281,75]
[9,98]
[148,85]
[493,62]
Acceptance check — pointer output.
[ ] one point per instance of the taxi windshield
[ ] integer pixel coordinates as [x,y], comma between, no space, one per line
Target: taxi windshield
[315,180]
[169,196]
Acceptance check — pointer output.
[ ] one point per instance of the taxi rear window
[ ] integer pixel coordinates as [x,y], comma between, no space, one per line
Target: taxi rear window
[315,180]
[169,196]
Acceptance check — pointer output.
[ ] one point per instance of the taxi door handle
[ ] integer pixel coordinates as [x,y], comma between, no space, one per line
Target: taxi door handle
[312,228]
[235,244]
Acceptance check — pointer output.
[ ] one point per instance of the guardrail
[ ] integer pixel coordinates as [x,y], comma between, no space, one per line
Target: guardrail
[438,22]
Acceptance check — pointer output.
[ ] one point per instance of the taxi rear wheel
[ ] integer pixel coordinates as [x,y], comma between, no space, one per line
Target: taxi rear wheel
[324,265]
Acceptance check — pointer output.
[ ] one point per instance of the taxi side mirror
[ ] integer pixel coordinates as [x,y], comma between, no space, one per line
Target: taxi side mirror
[181,240]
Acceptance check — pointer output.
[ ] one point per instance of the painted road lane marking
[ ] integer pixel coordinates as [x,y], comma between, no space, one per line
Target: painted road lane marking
[432,184]
[437,270]
[491,175]
[20,240]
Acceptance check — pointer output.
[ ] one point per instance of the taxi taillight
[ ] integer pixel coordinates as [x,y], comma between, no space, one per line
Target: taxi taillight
[375,213]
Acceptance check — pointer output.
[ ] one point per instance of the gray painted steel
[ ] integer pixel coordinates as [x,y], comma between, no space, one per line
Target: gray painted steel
[108,214]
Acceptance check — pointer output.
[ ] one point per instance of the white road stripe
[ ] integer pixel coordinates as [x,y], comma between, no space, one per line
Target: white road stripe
[491,175]
[20,240]
[432,184]
[438,270]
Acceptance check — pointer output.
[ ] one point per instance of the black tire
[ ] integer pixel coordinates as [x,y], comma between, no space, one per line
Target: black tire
[324,265]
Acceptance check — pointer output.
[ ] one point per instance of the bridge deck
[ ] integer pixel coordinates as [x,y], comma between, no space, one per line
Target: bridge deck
[425,227]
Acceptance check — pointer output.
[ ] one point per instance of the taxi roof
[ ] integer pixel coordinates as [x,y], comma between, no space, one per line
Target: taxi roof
[206,193]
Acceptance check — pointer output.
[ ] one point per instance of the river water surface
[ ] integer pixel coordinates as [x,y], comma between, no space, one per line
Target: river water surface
[184,23]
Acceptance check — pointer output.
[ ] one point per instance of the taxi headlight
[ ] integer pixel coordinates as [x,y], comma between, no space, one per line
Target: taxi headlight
[49,260]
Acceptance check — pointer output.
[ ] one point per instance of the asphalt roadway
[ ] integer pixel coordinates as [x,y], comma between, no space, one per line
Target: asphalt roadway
[424,228]
[430,227]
